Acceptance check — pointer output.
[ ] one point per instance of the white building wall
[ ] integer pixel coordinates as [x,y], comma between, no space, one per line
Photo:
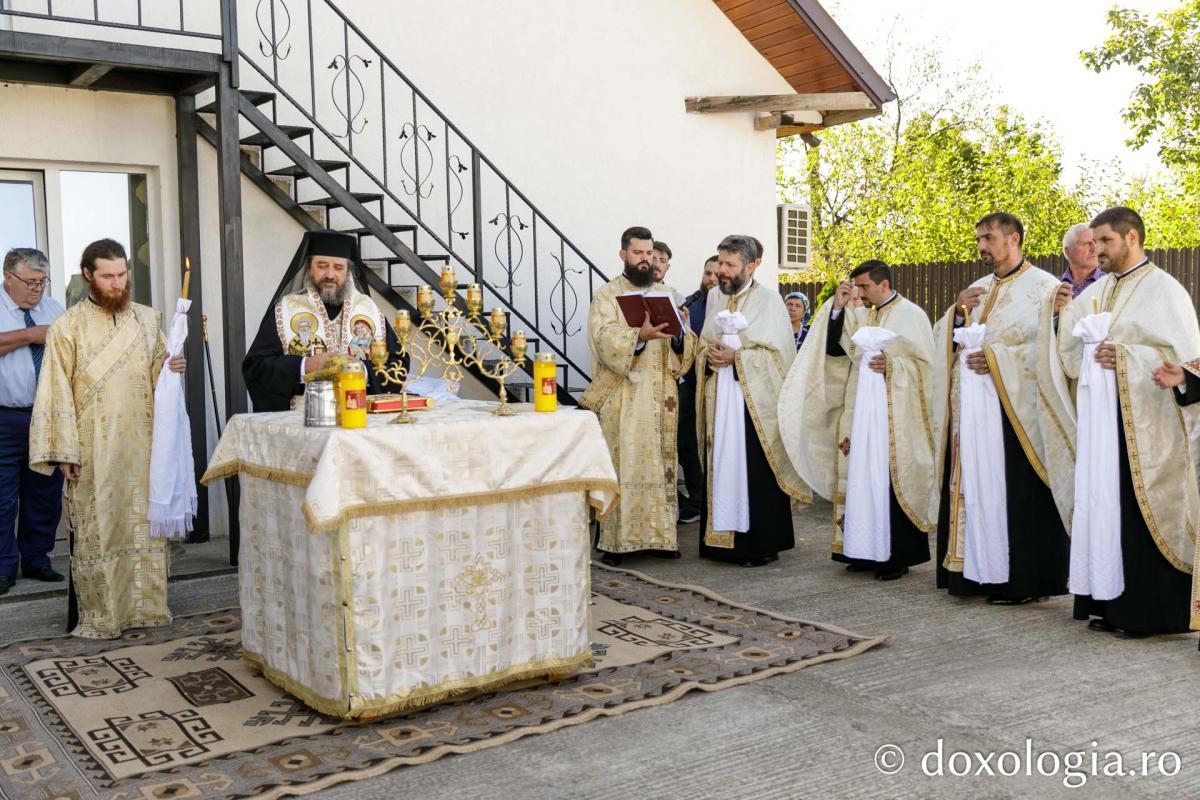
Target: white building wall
[103,131]
[580,104]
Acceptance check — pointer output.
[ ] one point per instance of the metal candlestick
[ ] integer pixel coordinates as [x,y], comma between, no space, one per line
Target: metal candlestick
[401,372]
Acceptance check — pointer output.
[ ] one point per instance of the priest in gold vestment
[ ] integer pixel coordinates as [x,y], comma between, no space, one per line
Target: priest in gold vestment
[746,348]
[881,488]
[1000,531]
[92,419]
[1134,577]
[635,392]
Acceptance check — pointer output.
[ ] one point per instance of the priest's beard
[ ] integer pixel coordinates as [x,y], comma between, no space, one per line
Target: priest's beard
[332,293]
[1117,259]
[639,273]
[112,302]
[732,285]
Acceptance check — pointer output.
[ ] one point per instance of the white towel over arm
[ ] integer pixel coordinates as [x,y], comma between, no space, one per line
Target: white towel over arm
[981,456]
[731,485]
[1096,565]
[172,473]
[868,531]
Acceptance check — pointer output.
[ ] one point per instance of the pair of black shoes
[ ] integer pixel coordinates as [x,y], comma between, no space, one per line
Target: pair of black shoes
[760,562]
[1005,600]
[615,559]
[48,575]
[1104,626]
[892,574]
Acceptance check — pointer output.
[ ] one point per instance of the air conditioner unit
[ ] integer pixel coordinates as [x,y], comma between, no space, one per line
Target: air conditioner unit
[794,221]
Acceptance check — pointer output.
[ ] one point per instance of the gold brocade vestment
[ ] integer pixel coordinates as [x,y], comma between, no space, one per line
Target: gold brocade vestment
[94,408]
[636,396]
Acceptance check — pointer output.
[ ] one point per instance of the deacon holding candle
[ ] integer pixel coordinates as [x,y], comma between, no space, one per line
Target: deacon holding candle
[999,530]
[635,392]
[92,420]
[321,308]
[1132,553]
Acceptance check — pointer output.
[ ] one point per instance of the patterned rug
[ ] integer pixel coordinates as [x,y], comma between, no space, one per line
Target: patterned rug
[175,713]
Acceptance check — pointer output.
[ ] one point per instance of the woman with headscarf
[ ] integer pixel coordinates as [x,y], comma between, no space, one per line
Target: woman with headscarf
[800,313]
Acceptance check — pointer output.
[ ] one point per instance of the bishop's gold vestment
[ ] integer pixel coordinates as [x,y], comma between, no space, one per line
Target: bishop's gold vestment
[94,407]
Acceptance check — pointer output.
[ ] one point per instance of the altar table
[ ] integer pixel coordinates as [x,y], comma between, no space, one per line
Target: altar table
[392,567]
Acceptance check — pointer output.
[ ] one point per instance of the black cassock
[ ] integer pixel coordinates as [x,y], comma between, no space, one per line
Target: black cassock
[1157,596]
[910,546]
[273,377]
[1039,551]
[770,510]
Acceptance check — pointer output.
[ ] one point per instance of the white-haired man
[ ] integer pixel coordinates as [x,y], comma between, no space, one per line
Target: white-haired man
[1083,265]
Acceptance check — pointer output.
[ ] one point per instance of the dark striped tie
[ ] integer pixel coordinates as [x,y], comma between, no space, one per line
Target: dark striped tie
[35,350]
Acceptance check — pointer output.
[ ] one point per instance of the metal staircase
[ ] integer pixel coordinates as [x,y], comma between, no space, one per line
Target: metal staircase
[333,131]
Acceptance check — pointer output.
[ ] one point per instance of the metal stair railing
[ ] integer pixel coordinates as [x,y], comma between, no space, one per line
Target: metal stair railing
[366,113]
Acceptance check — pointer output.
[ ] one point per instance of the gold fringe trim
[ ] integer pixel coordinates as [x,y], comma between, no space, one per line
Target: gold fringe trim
[722,539]
[953,561]
[439,751]
[924,526]
[1014,420]
[361,510]
[1135,466]
[791,491]
[231,469]
[1062,432]
[358,707]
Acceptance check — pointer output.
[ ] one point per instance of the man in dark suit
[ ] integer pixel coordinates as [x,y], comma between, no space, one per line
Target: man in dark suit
[689,455]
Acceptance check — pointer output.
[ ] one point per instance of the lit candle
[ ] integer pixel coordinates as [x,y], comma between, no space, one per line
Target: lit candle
[425,300]
[449,281]
[519,345]
[498,322]
[474,298]
[403,324]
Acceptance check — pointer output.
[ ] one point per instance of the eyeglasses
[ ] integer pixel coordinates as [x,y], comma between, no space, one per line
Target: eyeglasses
[36,286]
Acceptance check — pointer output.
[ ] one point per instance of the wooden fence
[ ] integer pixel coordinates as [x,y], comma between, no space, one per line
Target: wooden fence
[935,286]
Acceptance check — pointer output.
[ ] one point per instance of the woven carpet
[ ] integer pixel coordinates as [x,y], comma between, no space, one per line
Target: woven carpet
[175,713]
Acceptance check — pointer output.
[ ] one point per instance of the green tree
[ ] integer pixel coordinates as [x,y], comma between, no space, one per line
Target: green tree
[1164,49]
[909,185]
[1164,108]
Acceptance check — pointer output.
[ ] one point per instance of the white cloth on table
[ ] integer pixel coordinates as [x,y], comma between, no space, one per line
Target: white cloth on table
[981,456]
[1096,566]
[868,527]
[731,485]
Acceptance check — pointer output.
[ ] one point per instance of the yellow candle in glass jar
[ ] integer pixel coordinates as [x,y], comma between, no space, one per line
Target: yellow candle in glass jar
[545,382]
[352,395]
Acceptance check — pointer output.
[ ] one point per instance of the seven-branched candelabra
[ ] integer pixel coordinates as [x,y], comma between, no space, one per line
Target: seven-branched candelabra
[455,339]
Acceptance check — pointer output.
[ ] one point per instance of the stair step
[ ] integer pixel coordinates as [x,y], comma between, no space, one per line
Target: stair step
[423,256]
[257,98]
[391,226]
[291,131]
[297,171]
[330,202]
